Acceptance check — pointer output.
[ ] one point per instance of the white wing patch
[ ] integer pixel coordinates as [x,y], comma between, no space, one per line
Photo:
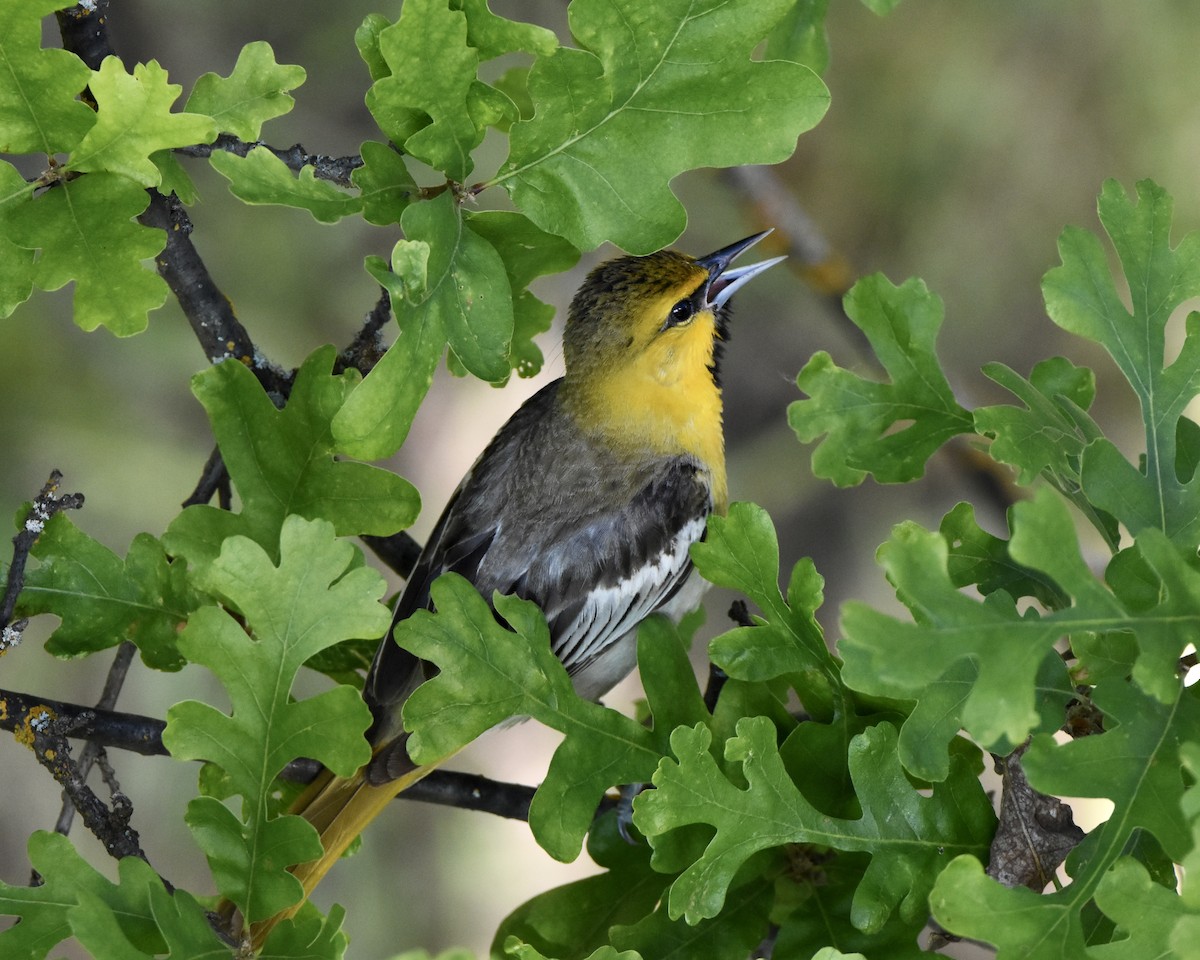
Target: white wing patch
[611,612]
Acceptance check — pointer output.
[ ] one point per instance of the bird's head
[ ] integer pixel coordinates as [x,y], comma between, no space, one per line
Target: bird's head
[664,315]
[642,349]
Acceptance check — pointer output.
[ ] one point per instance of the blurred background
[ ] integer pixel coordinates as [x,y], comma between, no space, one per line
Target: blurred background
[962,136]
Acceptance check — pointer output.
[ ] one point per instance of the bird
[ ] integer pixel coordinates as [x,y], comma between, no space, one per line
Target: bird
[585,502]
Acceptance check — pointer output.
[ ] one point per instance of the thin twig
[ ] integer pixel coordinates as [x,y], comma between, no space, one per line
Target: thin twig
[334,169]
[46,734]
[143,735]
[207,309]
[367,346]
[45,505]
[214,478]
[399,551]
[92,751]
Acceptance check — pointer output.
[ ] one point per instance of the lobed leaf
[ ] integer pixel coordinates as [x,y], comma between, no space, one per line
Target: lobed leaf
[261,177]
[16,263]
[574,919]
[134,120]
[315,597]
[656,89]
[384,184]
[495,36]
[40,109]
[737,931]
[1081,297]
[136,913]
[419,108]
[284,462]
[888,430]
[1145,912]
[740,551]
[1136,764]
[528,253]
[1049,435]
[910,837]
[84,231]
[825,896]
[254,92]
[886,657]
[103,600]
[455,291]
[489,673]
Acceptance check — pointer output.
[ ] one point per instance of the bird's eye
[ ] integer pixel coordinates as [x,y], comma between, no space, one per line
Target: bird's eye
[681,313]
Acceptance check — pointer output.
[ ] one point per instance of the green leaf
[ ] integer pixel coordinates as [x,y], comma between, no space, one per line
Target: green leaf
[741,552]
[522,951]
[1136,764]
[384,183]
[1045,438]
[261,177]
[494,36]
[103,600]
[309,936]
[488,673]
[888,658]
[174,178]
[573,920]
[1081,297]
[741,926]
[979,559]
[182,922]
[461,295]
[84,230]
[419,108]
[16,263]
[801,36]
[284,462]
[366,38]
[255,92]
[825,898]
[40,110]
[656,90]
[1143,910]
[528,253]
[1032,926]
[134,120]
[1187,928]
[315,597]
[75,899]
[888,430]
[909,836]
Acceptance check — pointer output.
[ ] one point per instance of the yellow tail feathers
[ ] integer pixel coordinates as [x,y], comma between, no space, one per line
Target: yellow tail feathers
[340,808]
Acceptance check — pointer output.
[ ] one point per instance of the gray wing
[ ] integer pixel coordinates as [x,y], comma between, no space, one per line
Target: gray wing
[599,545]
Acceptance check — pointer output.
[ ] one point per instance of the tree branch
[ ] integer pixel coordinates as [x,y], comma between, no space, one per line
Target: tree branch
[143,735]
[335,169]
[92,751]
[45,732]
[45,505]
[84,31]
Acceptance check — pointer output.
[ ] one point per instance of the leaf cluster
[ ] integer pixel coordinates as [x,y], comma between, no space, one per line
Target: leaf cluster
[824,803]
[1046,631]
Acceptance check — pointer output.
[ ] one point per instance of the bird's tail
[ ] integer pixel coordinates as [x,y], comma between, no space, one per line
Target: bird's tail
[340,808]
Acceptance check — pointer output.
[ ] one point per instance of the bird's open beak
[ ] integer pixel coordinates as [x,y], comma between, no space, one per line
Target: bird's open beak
[723,282]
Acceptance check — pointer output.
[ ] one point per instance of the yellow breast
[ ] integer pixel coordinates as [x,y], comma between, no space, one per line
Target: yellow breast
[661,400]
